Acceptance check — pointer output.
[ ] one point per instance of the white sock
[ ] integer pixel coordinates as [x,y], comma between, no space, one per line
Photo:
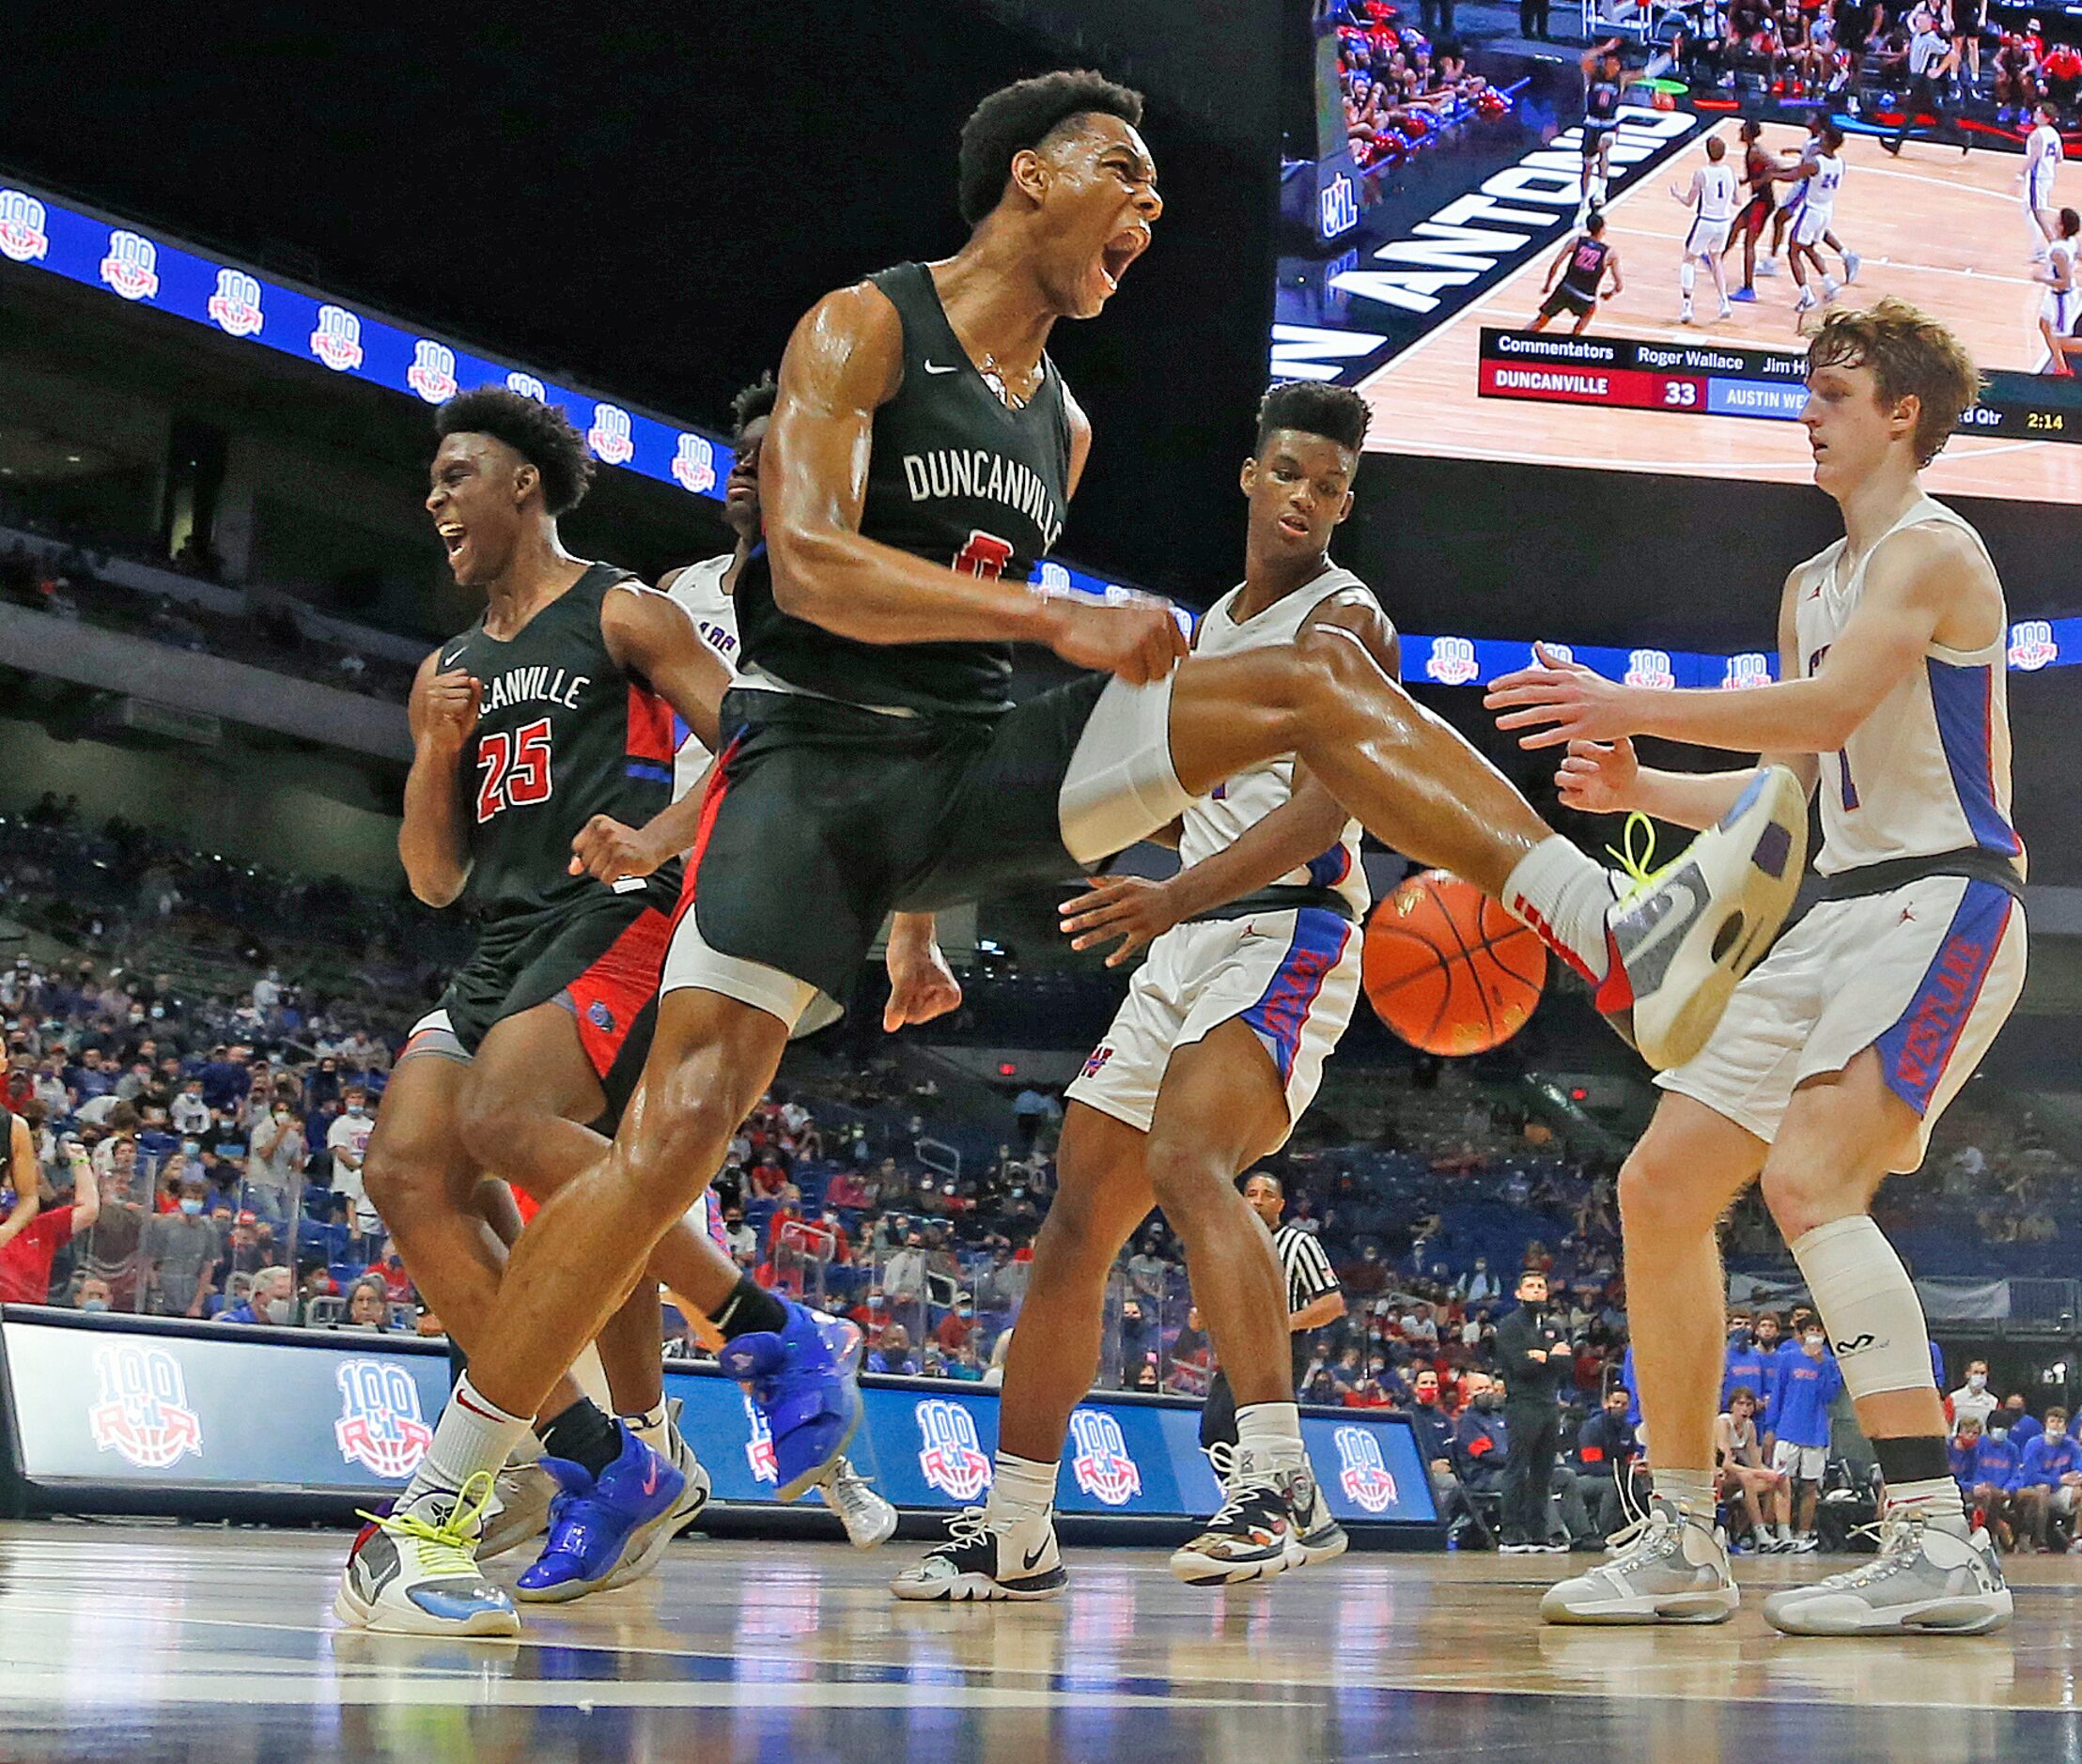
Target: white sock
[1831,288]
[1692,1489]
[1563,896]
[1785,1531]
[1937,1501]
[1021,1489]
[1271,1432]
[653,1429]
[473,1435]
[1686,273]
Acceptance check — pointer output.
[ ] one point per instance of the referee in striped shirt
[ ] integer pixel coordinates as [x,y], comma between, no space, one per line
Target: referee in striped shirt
[1930,57]
[1313,1299]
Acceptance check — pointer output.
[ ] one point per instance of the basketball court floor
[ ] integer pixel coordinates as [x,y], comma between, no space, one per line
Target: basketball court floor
[1944,231]
[152,1642]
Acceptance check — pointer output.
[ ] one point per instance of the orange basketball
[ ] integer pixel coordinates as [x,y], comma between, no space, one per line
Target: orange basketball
[1448,969]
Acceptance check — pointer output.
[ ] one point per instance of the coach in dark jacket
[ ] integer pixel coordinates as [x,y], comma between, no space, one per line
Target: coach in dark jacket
[1535,1359]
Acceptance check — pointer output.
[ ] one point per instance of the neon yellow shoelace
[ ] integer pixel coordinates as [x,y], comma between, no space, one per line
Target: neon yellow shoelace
[448,1550]
[1635,867]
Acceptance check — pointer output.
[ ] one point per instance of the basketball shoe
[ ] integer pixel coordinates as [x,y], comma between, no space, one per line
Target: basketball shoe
[1010,1557]
[521,1497]
[1670,1568]
[1930,1577]
[1679,938]
[607,1531]
[1273,1518]
[414,1571]
[805,1378]
[868,1519]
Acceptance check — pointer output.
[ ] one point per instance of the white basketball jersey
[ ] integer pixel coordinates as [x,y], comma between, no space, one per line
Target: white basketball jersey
[1214,822]
[1718,185]
[1929,770]
[1827,181]
[2043,158]
[698,591]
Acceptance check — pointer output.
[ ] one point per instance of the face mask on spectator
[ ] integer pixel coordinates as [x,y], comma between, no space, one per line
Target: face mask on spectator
[1488,1399]
[191,1205]
[357,1108]
[1977,1381]
[191,1148]
[1814,1343]
[94,1303]
[2057,1432]
[1998,1432]
[280,1311]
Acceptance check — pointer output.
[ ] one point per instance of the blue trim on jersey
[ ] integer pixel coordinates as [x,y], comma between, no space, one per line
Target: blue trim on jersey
[1332,867]
[1281,1010]
[1963,698]
[648,772]
[1920,1045]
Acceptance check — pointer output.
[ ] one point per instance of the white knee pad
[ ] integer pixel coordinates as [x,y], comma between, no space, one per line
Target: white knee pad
[1871,1310]
[1684,275]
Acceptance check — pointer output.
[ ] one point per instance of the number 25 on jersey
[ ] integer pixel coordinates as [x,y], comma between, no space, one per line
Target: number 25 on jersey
[513,770]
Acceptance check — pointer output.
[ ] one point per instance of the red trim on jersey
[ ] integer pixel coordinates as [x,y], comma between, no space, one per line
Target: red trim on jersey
[711,806]
[650,726]
[612,994]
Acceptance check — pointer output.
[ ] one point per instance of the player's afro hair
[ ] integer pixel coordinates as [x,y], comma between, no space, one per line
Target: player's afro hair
[1017,117]
[750,404]
[538,432]
[1335,413]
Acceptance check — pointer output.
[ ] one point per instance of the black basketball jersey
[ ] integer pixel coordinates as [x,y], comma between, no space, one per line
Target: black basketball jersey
[1601,104]
[1586,267]
[562,735]
[956,476]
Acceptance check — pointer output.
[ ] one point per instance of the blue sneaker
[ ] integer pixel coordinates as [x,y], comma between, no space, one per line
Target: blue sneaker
[805,1380]
[604,1531]
[1744,294]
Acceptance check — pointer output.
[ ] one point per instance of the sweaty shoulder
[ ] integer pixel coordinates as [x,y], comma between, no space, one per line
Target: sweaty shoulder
[849,344]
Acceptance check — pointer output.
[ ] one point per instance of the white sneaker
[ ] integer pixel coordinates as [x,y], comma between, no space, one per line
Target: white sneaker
[1683,315]
[1322,1539]
[868,1519]
[986,1559]
[1926,1579]
[1671,1569]
[1805,1544]
[520,1509]
[1679,941]
[1767,266]
[693,1495]
[415,1571]
[1851,262]
[1727,311]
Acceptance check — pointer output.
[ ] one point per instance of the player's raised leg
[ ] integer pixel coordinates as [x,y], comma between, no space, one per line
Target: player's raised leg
[1663,960]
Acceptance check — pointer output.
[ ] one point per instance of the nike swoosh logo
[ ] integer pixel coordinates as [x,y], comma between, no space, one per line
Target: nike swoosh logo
[1673,922]
[1033,1556]
[449,661]
[650,1478]
[934,367]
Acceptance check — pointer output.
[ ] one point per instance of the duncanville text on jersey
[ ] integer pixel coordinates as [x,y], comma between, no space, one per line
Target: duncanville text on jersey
[976,471]
[534,686]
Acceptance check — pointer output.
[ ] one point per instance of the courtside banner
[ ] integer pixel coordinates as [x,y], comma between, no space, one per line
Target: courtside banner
[156,1415]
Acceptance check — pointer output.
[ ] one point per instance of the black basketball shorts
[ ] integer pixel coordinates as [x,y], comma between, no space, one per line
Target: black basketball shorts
[823,818]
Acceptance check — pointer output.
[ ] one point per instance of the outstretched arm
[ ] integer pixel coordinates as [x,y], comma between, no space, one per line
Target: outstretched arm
[1912,596]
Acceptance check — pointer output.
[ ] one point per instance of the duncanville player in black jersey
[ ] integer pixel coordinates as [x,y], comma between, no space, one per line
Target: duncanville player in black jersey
[557,704]
[923,453]
[1581,263]
[1601,122]
[1761,170]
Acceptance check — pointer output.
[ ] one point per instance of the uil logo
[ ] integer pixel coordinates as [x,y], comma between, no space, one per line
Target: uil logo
[952,1460]
[528,386]
[1362,1474]
[132,266]
[759,1446]
[236,304]
[337,340]
[1453,660]
[1650,668]
[609,435]
[1744,672]
[432,374]
[142,1414]
[22,226]
[694,463]
[2032,644]
[380,1424]
[1100,1459]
